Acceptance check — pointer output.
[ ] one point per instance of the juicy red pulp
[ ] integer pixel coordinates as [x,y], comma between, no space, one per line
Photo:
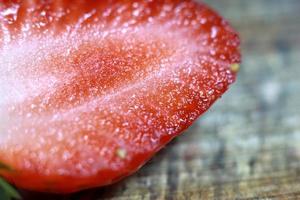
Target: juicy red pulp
[91,91]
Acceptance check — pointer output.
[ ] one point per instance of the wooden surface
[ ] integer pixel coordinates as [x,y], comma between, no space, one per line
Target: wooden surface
[248,145]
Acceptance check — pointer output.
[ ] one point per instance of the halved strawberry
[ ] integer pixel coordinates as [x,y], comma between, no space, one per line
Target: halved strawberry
[89,91]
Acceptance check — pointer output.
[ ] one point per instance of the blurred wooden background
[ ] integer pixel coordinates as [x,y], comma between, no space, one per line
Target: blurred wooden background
[248,145]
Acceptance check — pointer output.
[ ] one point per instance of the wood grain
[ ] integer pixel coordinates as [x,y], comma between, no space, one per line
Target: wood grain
[248,145]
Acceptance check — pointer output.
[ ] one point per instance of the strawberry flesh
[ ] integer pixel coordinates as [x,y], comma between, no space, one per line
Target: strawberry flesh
[91,91]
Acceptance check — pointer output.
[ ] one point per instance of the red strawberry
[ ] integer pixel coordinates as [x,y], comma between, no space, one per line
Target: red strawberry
[90,91]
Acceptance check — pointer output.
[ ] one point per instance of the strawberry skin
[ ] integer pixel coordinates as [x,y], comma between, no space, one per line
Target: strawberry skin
[90,91]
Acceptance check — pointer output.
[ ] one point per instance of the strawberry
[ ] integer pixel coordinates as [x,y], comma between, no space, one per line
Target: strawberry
[91,91]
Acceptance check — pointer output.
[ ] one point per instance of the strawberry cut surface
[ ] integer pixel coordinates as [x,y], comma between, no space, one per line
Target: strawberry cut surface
[90,91]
